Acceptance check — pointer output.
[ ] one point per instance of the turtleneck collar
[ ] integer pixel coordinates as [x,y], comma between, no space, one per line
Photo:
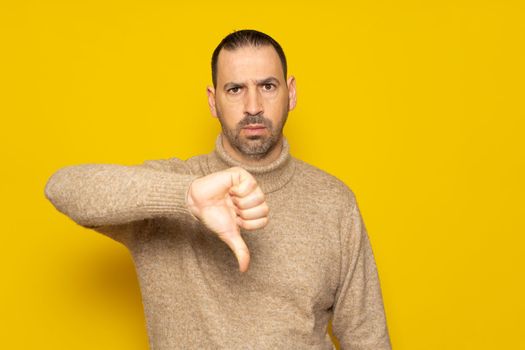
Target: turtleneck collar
[270,177]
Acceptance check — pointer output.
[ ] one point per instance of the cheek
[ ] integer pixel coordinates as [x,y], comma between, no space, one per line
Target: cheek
[230,105]
[277,107]
[230,113]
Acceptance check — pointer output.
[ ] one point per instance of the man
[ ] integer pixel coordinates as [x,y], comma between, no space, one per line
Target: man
[296,232]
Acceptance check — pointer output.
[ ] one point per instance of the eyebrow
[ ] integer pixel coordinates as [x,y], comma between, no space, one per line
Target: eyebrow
[268,80]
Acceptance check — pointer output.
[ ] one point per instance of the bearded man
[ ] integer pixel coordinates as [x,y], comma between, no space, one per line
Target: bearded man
[301,252]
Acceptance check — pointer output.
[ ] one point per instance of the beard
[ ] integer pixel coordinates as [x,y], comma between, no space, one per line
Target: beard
[254,146]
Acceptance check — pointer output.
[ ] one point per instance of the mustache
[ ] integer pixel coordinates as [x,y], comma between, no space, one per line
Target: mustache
[254,119]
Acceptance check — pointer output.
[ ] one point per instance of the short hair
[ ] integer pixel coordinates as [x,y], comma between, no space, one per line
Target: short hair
[243,38]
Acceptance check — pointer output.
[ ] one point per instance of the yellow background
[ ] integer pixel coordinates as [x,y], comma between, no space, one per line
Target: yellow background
[417,105]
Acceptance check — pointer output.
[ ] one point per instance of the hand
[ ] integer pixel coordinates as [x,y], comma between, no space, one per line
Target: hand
[226,200]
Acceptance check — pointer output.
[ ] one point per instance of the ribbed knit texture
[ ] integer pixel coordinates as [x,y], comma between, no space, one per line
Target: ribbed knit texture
[312,262]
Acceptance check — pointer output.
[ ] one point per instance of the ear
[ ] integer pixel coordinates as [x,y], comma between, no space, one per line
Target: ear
[211,100]
[292,96]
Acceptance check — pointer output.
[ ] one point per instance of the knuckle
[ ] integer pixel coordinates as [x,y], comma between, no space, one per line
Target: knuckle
[259,192]
[246,225]
[262,223]
[240,202]
[253,185]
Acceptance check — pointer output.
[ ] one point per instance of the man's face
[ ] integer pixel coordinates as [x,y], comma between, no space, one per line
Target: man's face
[251,99]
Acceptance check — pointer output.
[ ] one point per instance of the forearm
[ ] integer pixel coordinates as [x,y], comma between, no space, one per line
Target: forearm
[109,194]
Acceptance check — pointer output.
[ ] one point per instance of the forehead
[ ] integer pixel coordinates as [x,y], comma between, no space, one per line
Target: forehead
[249,62]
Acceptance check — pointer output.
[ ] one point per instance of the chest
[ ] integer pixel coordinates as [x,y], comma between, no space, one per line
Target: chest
[294,260]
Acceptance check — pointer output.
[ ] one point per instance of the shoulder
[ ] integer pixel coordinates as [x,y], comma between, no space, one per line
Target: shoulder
[324,184]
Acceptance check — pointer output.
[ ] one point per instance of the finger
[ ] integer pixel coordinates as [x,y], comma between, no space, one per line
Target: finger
[239,248]
[240,174]
[242,182]
[252,224]
[246,186]
[252,200]
[258,212]
[235,178]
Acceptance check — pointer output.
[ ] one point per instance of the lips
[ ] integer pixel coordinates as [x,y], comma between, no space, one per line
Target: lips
[254,127]
[254,130]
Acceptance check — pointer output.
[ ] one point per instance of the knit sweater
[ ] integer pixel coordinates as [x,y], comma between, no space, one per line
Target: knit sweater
[311,263]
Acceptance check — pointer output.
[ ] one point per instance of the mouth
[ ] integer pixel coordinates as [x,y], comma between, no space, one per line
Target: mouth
[254,129]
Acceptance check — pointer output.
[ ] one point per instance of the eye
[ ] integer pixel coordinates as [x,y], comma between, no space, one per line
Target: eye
[268,87]
[234,90]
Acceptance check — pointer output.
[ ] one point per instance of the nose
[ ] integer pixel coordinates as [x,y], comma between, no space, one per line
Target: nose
[253,102]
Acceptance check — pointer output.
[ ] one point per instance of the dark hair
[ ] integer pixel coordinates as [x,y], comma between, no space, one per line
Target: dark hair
[243,38]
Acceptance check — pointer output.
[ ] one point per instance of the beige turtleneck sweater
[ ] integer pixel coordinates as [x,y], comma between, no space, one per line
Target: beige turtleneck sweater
[312,262]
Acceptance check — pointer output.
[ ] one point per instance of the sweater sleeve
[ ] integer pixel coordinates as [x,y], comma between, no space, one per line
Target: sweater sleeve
[359,321]
[110,197]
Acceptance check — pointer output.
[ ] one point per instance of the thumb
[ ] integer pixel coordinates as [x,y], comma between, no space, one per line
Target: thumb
[239,248]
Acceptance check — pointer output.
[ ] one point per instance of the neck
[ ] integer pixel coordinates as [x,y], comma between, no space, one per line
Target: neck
[268,158]
[270,176]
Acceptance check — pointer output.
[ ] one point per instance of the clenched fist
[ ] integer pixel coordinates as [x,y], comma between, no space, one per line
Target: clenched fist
[226,200]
